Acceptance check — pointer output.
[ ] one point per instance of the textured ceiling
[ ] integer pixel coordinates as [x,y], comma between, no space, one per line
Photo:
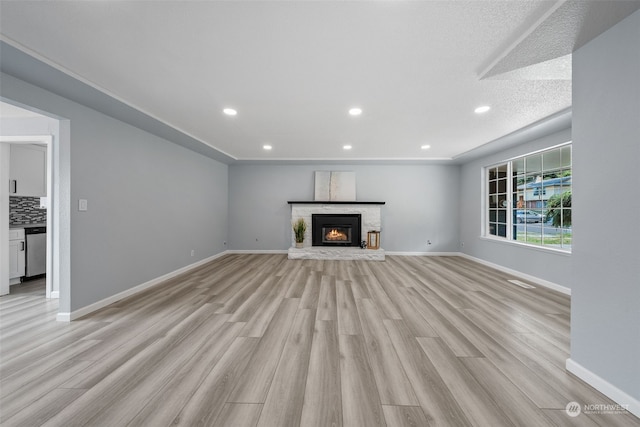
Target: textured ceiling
[564,27]
[293,69]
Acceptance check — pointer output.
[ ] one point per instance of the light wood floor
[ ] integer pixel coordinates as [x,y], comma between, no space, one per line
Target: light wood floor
[252,340]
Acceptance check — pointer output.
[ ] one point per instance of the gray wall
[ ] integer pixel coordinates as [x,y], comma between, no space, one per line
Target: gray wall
[605,314]
[421,203]
[551,266]
[150,201]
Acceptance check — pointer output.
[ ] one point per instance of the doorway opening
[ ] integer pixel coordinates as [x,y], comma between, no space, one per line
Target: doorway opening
[52,134]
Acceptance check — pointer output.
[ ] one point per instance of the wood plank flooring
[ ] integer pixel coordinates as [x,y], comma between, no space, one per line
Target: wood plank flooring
[260,340]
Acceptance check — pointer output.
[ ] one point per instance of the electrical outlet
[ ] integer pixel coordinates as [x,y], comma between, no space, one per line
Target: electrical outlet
[193,252]
[82,205]
[428,242]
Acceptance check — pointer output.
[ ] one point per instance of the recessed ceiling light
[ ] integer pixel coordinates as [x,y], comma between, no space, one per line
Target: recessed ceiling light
[267,147]
[355,111]
[482,109]
[346,147]
[230,111]
[425,147]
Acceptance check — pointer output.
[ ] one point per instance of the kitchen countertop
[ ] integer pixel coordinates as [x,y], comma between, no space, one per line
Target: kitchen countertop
[38,224]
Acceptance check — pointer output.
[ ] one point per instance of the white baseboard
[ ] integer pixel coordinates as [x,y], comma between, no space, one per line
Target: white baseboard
[67,317]
[257,251]
[55,294]
[403,253]
[63,317]
[536,280]
[603,386]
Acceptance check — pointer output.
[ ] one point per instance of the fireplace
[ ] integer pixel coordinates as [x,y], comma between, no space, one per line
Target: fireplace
[335,229]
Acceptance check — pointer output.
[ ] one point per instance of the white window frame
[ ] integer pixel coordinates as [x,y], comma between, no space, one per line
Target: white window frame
[486,208]
[486,222]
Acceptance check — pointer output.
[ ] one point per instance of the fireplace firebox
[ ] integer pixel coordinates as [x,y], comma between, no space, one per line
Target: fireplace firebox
[335,229]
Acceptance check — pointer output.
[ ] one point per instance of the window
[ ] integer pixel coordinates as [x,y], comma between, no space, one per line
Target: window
[498,183]
[529,199]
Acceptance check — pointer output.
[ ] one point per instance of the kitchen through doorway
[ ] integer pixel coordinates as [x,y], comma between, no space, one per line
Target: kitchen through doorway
[29,215]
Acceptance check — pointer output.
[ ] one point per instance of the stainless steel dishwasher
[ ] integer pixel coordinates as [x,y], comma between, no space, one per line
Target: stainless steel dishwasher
[36,256]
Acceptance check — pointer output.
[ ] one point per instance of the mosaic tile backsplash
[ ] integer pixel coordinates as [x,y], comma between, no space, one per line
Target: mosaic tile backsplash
[26,210]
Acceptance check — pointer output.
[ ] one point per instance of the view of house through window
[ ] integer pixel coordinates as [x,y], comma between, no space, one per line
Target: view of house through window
[529,199]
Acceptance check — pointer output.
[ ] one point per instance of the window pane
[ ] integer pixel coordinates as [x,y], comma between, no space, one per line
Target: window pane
[518,200]
[493,173]
[502,201]
[502,186]
[566,156]
[502,230]
[502,215]
[534,234]
[540,191]
[502,171]
[552,174]
[492,215]
[515,181]
[492,187]
[566,238]
[533,163]
[518,166]
[543,216]
[551,160]
[566,179]
[518,186]
[566,218]
[553,240]
[530,188]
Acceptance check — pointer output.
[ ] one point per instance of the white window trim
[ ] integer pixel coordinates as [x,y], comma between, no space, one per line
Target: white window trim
[547,249]
[485,219]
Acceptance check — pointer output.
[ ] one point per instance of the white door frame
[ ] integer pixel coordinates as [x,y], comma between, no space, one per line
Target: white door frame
[52,287]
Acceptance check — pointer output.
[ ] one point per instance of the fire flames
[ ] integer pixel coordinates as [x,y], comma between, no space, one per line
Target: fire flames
[336,235]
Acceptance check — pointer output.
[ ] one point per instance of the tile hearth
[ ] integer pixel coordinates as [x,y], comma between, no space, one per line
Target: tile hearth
[329,253]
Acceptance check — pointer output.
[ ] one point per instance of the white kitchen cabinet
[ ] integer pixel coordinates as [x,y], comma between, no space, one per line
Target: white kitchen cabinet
[16,255]
[28,170]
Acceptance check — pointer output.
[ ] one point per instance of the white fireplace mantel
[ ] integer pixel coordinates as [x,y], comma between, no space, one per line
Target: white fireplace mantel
[370,221]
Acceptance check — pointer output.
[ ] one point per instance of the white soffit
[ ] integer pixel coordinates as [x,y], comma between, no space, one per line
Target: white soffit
[9,111]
